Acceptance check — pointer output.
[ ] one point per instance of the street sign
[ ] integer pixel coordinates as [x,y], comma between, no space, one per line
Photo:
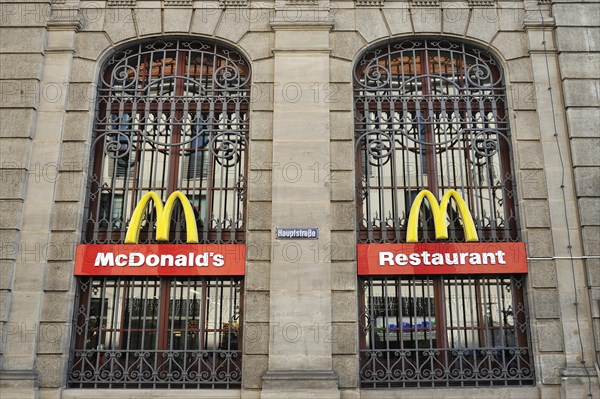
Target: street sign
[297,233]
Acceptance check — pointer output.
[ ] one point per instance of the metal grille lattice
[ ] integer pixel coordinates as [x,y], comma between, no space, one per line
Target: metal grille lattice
[171,115]
[157,333]
[431,114]
[444,331]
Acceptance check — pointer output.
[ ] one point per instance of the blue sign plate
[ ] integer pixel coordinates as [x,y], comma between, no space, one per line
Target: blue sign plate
[297,233]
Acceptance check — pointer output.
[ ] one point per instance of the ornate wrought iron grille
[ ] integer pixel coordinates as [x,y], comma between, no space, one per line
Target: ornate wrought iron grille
[431,114]
[157,333]
[171,115]
[444,331]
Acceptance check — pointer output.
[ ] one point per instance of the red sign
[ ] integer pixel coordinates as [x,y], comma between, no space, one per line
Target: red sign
[442,258]
[160,260]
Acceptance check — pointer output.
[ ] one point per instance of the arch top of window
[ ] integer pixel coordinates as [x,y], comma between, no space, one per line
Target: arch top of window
[171,115]
[427,67]
[183,68]
[431,114]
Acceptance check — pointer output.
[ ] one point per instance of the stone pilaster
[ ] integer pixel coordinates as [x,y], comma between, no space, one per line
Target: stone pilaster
[20,374]
[300,322]
[573,297]
[578,45]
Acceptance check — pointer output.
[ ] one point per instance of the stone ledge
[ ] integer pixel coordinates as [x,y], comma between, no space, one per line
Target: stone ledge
[298,50]
[547,23]
[18,379]
[453,393]
[301,394]
[301,25]
[63,25]
[293,380]
[578,372]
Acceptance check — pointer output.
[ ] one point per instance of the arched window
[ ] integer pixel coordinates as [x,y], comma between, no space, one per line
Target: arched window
[171,115]
[431,115]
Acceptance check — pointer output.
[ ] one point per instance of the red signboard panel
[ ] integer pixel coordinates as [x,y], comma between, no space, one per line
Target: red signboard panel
[160,260]
[442,258]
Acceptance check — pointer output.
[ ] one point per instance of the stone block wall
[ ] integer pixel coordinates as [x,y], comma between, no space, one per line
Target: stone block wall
[47,106]
[24,35]
[578,46]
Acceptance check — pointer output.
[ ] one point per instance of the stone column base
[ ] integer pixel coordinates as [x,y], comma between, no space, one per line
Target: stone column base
[300,385]
[18,384]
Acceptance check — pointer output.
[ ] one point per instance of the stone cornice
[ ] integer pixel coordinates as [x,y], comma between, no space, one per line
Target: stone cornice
[482,3]
[369,3]
[121,3]
[301,25]
[233,3]
[425,3]
[546,23]
[178,3]
[67,23]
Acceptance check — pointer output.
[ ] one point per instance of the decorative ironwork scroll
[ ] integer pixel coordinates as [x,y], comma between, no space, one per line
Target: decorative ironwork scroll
[431,114]
[171,115]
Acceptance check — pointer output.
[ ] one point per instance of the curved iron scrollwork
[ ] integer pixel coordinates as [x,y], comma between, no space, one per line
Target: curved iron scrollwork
[431,114]
[226,147]
[378,145]
[171,115]
[446,367]
[156,369]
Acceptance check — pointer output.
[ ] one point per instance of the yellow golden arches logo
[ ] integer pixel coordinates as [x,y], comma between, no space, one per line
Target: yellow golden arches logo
[163,217]
[439,216]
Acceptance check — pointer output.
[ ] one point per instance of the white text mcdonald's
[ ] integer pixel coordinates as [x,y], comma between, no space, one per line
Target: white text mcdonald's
[133,259]
[160,260]
[414,258]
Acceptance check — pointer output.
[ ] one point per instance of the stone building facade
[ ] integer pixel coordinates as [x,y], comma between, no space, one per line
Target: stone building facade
[301,323]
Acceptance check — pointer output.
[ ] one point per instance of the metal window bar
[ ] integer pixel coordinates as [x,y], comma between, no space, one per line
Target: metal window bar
[471,332]
[157,333]
[431,114]
[171,115]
